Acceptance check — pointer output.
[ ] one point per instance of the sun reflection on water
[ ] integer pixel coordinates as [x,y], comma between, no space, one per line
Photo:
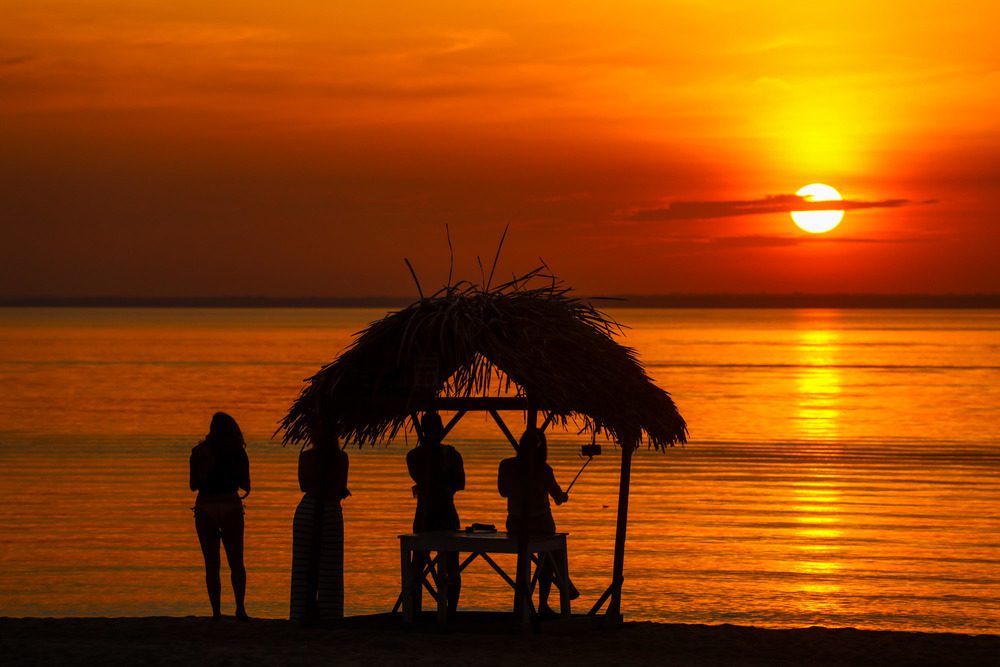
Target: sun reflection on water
[818,381]
[817,510]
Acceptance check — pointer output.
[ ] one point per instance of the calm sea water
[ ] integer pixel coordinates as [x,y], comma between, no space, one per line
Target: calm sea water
[843,468]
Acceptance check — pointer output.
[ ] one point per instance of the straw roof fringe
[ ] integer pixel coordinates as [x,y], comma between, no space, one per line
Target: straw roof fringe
[467,340]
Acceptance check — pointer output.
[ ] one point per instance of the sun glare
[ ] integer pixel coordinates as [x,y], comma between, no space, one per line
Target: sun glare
[817,222]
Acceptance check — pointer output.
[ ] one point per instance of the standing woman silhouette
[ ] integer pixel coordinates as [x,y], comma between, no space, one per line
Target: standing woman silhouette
[318,531]
[219,469]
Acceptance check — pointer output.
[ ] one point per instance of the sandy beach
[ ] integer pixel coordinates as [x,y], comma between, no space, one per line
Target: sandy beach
[380,640]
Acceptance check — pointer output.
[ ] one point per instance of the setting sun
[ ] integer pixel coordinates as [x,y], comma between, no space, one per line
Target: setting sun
[818,222]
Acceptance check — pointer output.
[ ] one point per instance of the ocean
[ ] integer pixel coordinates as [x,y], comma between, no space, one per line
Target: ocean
[843,467]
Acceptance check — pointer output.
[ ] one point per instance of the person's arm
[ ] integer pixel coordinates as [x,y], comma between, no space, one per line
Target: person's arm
[194,480]
[304,470]
[458,474]
[245,472]
[341,480]
[553,487]
[503,480]
[411,465]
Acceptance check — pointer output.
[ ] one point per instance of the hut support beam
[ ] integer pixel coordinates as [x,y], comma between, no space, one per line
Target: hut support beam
[503,427]
[614,612]
[548,420]
[454,420]
[415,419]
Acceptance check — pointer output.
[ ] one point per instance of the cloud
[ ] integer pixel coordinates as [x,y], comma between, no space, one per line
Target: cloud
[701,243]
[767,241]
[14,61]
[703,210]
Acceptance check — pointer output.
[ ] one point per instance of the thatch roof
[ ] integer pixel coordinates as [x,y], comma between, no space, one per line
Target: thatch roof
[466,340]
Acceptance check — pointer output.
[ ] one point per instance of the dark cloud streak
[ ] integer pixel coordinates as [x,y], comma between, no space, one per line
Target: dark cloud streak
[704,210]
[764,241]
[14,61]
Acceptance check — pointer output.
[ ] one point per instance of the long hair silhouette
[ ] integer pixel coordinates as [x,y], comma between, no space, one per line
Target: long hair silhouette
[532,450]
[224,433]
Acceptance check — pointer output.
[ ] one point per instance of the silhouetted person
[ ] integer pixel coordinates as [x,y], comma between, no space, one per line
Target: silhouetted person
[527,481]
[219,469]
[438,473]
[318,531]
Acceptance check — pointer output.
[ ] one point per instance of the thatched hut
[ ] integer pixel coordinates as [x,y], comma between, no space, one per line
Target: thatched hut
[526,345]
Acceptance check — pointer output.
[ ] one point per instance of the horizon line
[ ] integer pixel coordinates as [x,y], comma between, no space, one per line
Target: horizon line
[964,300]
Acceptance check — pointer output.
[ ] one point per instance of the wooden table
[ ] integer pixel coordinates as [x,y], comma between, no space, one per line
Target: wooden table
[534,550]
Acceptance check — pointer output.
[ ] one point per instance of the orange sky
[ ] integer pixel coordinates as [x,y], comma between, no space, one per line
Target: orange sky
[302,148]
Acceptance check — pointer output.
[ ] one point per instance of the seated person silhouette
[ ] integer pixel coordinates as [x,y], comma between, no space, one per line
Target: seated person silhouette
[438,473]
[527,481]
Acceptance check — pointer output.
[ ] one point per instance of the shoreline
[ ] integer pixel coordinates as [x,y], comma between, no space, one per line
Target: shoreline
[491,641]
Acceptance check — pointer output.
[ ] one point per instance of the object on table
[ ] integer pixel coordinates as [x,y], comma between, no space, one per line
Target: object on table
[481,528]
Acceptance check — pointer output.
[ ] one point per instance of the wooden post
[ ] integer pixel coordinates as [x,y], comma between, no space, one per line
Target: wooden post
[614,612]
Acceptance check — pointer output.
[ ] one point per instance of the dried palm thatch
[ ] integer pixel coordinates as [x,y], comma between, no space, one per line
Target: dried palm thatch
[527,337]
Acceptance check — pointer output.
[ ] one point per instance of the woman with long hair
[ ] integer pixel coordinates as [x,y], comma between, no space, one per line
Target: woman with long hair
[219,469]
[527,482]
[317,591]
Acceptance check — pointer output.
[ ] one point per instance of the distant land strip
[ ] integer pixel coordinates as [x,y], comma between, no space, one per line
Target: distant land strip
[793,300]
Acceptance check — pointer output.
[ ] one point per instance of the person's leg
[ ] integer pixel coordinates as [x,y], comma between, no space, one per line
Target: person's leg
[545,575]
[315,554]
[232,540]
[454,582]
[208,537]
[331,565]
[303,589]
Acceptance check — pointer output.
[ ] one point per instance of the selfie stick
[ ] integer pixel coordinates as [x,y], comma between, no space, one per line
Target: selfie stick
[589,459]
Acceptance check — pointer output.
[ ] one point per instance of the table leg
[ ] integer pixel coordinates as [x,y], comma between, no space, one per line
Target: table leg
[418,565]
[406,581]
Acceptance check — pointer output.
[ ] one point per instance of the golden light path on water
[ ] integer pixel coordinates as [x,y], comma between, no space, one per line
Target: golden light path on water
[816,499]
[843,468]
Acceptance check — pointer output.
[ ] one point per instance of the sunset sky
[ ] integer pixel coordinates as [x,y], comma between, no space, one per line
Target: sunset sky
[302,148]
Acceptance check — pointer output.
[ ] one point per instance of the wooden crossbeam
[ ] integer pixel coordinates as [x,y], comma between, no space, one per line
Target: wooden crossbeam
[416,425]
[499,570]
[427,569]
[503,427]
[454,420]
[601,600]
[548,421]
[465,563]
[476,403]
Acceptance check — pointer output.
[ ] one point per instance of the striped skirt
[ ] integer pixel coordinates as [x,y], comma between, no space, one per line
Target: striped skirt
[317,561]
